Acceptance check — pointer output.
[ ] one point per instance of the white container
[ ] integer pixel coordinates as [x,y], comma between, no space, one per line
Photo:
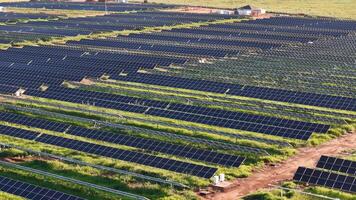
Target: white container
[222,177]
[216,180]
[244,12]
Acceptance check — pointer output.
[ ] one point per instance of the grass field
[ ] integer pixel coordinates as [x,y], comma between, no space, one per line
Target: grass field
[332,8]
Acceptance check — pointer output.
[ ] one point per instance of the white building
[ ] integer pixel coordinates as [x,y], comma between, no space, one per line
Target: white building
[245,10]
[2,9]
[225,12]
[250,11]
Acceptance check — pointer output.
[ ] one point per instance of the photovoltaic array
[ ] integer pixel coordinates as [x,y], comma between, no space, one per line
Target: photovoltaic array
[212,88]
[122,139]
[331,172]
[34,30]
[337,164]
[98,6]
[34,192]
[235,120]
[110,152]
[327,179]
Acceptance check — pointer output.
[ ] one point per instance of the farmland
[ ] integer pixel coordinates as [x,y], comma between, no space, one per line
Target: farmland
[147,101]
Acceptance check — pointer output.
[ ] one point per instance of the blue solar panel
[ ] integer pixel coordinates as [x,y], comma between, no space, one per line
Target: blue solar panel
[337,164]
[147,144]
[130,156]
[235,120]
[30,191]
[327,179]
[328,101]
[124,155]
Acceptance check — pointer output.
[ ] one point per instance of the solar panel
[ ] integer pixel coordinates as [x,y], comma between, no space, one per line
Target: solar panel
[124,155]
[130,156]
[30,191]
[215,117]
[7,89]
[33,122]
[324,178]
[19,133]
[337,164]
[328,101]
[151,145]
[162,147]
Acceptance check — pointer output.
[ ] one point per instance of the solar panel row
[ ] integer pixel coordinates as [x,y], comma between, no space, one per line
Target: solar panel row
[147,144]
[86,6]
[337,164]
[152,47]
[30,191]
[13,17]
[328,101]
[130,156]
[124,155]
[308,22]
[300,32]
[97,24]
[236,120]
[6,89]
[327,179]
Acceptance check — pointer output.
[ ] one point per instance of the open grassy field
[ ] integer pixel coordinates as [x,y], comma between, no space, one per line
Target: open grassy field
[333,8]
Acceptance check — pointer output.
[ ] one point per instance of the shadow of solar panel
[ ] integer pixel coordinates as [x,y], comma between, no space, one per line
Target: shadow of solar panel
[327,179]
[130,156]
[337,164]
[30,191]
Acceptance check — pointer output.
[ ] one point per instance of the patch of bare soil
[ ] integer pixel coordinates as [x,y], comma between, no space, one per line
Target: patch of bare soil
[24,159]
[307,157]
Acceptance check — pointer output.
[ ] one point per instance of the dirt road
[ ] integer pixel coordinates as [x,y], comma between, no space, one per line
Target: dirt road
[284,171]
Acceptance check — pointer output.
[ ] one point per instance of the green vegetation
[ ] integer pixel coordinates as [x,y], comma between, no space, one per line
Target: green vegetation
[333,8]
[293,193]
[6,196]
[51,183]
[88,174]
[331,193]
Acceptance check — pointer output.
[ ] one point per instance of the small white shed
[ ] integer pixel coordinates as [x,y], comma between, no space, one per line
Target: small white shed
[225,12]
[245,10]
[250,11]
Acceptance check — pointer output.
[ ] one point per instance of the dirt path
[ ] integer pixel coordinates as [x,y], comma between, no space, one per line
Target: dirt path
[284,171]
